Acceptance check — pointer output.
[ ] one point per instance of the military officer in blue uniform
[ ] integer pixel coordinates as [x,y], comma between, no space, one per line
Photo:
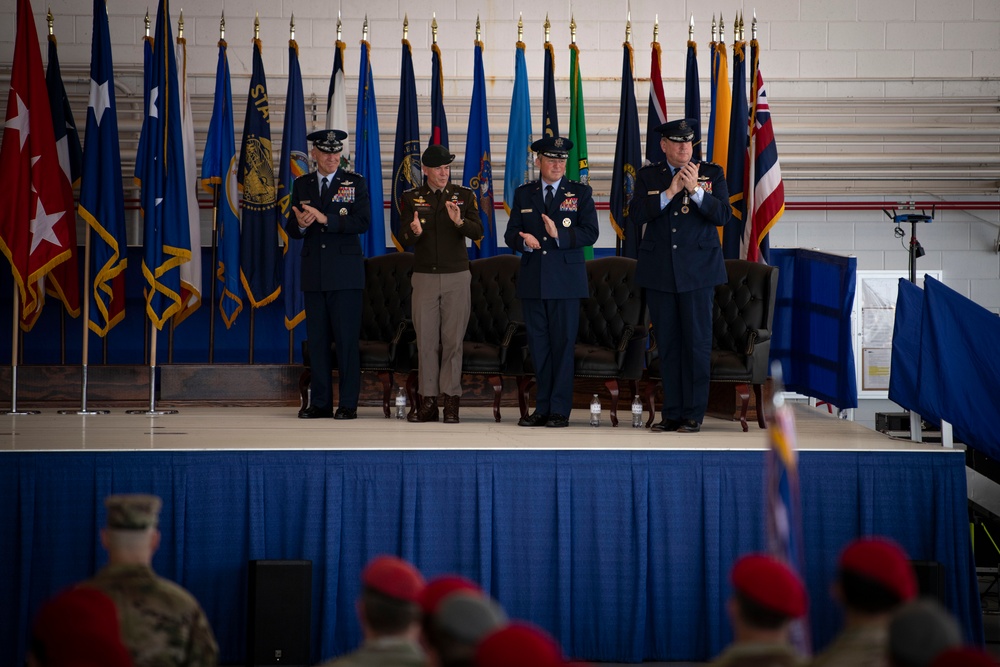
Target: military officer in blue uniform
[674,213]
[551,221]
[331,210]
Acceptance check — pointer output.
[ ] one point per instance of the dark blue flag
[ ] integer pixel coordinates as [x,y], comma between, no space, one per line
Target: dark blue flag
[219,175]
[478,171]
[550,113]
[628,150]
[260,263]
[368,154]
[439,122]
[692,96]
[406,159]
[293,162]
[102,202]
[67,137]
[732,235]
[166,236]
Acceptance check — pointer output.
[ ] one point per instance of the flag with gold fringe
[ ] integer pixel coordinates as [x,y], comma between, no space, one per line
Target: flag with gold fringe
[406,172]
[292,163]
[477,173]
[628,148]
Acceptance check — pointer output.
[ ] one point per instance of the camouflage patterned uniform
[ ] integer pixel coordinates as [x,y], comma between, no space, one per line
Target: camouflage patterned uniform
[383,652]
[161,623]
[759,655]
[864,646]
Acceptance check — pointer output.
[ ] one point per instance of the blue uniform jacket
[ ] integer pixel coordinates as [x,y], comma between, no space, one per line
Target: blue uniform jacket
[331,254]
[678,251]
[556,270]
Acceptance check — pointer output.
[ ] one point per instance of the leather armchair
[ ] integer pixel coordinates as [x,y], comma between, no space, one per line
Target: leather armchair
[385,324]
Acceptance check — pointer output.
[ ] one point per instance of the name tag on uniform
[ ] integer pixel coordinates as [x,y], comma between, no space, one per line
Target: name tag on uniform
[526,210]
[568,204]
[344,194]
[653,192]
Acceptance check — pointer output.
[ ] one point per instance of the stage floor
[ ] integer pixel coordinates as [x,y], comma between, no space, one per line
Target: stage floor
[262,428]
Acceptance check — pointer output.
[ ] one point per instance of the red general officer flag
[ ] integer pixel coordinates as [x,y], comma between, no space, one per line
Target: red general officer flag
[37,218]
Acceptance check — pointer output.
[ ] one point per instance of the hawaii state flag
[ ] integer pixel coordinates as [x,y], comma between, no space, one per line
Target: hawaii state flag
[294,162]
[37,217]
[166,235]
[102,202]
[477,173]
[219,175]
[768,194]
[406,172]
[519,161]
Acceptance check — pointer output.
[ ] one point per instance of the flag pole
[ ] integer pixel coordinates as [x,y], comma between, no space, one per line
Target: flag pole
[13,365]
[152,411]
[86,333]
[215,239]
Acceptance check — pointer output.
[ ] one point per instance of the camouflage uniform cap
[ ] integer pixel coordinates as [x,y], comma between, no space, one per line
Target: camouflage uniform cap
[137,511]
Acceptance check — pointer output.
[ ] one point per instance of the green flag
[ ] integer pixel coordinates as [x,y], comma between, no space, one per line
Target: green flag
[577,165]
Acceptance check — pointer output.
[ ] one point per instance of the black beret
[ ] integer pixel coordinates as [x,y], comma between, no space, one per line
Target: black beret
[328,141]
[553,147]
[436,155]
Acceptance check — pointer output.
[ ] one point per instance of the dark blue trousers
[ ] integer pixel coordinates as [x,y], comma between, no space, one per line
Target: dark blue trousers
[552,325]
[335,315]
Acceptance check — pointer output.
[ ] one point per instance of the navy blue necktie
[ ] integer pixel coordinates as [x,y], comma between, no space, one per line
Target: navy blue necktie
[324,189]
[548,196]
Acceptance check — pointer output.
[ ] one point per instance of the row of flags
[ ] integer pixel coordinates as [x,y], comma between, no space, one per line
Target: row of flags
[37,230]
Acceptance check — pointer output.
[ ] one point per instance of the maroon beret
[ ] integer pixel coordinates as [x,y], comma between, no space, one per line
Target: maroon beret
[393,577]
[771,584]
[883,561]
[438,588]
[80,627]
[518,644]
[964,656]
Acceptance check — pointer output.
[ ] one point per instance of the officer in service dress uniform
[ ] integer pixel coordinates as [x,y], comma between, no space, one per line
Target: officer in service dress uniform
[161,623]
[675,210]
[331,210]
[551,221]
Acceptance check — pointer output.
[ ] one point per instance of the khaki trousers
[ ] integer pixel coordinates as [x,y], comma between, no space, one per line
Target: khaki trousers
[441,305]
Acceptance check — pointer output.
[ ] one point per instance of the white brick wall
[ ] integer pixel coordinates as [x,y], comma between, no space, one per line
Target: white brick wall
[824,62]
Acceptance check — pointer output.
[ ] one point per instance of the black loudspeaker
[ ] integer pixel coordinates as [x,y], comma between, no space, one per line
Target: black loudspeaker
[930,579]
[279,612]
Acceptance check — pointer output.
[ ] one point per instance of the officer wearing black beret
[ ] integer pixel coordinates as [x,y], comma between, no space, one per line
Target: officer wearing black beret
[331,211]
[672,222]
[551,221]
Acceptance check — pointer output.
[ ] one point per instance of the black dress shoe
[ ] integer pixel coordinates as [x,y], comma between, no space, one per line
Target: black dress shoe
[315,413]
[689,426]
[346,413]
[666,426]
[557,421]
[534,419]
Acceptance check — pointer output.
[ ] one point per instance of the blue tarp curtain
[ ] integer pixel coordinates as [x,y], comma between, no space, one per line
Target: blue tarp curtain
[811,334]
[623,555]
[945,364]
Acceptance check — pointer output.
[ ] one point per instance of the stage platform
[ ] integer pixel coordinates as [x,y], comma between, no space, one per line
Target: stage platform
[616,540]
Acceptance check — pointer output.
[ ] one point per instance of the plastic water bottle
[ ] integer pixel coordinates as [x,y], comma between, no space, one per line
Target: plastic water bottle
[595,411]
[636,413]
[400,404]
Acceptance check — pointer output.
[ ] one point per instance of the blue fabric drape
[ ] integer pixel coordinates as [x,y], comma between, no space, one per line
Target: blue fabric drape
[811,334]
[623,555]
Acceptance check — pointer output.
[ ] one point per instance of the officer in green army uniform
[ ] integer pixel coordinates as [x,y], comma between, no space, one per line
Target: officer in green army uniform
[161,623]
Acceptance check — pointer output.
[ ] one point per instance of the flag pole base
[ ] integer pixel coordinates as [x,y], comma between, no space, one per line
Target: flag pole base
[20,412]
[84,412]
[151,413]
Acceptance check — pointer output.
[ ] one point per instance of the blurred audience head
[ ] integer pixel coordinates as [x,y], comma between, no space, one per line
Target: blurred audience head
[919,632]
[78,628]
[461,621]
[875,576]
[518,644]
[132,535]
[965,656]
[390,592]
[767,596]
